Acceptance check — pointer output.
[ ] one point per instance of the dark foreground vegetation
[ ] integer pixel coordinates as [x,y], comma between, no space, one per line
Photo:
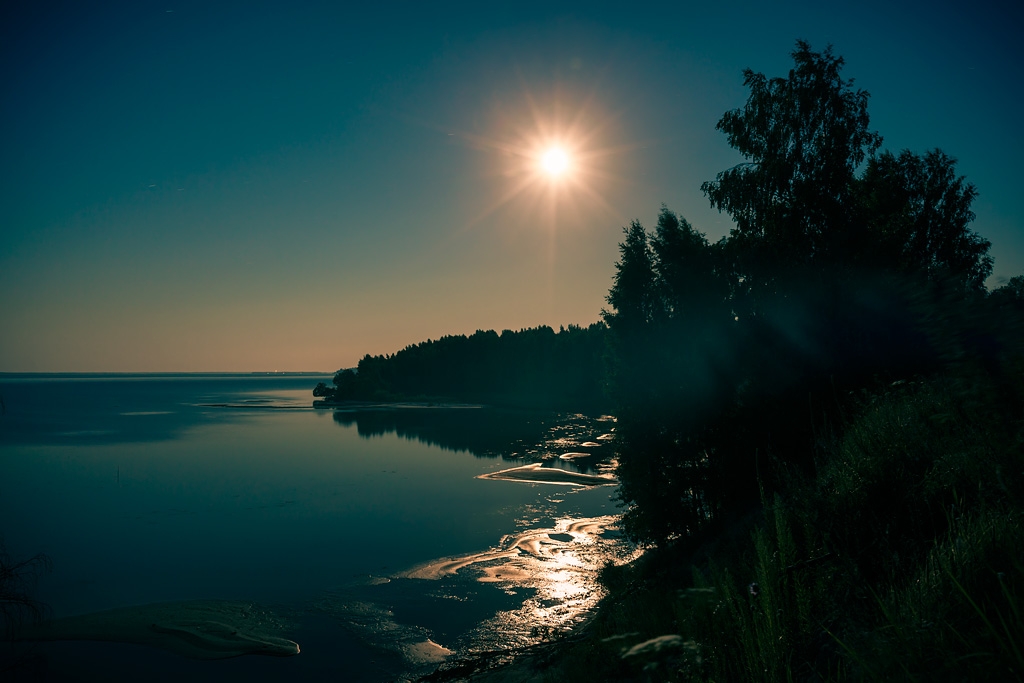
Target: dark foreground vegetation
[898,558]
[820,419]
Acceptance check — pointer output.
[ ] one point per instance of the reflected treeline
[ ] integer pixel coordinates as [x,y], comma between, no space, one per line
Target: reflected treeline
[491,432]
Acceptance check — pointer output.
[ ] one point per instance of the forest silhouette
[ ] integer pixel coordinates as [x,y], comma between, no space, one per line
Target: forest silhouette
[535,367]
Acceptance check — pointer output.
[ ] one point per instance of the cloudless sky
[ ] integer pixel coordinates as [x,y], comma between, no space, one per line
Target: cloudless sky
[221,186]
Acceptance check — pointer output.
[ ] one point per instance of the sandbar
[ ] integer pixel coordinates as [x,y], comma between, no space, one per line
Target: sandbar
[204,629]
[573,456]
[538,474]
[427,652]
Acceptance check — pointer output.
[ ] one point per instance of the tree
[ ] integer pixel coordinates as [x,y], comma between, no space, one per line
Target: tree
[687,269]
[917,212]
[805,136]
[667,321]
[633,297]
[802,210]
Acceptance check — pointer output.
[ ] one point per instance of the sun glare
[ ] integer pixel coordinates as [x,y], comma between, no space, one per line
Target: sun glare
[552,156]
[555,162]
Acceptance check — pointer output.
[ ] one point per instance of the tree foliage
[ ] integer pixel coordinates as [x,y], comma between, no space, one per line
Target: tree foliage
[632,296]
[799,203]
[917,212]
[805,137]
[845,268]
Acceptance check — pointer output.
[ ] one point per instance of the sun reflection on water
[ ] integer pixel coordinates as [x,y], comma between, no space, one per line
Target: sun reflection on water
[559,565]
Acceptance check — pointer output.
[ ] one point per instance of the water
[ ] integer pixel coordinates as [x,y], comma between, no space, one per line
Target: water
[366,534]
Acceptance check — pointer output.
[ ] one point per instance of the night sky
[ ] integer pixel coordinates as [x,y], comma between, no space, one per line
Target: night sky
[217,186]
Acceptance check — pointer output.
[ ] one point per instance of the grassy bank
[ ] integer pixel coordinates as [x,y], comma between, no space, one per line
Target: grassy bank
[898,559]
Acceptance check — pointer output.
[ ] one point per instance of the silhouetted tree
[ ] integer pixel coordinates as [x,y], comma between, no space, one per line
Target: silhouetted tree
[805,136]
[688,270]
[917,212]
[633,297]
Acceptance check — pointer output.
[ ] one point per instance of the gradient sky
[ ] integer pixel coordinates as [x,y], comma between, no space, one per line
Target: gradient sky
[217,186]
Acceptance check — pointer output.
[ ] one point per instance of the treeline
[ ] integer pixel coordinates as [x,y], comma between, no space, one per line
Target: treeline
[535,367]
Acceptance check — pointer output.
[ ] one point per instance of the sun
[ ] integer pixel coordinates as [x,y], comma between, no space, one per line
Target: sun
[555,162]
[553,156]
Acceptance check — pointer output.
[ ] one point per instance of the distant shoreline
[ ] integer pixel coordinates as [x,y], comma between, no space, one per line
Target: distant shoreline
[353,406]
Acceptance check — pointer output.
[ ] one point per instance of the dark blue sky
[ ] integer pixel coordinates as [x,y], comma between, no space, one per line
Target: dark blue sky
[240,186]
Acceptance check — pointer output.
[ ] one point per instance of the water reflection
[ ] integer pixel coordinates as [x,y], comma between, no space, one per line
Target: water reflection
[557,566]
[578,441]
[540,579]
[537,553]
[236,489]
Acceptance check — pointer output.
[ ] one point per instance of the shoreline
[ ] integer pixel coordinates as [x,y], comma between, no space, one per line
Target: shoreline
[353,406]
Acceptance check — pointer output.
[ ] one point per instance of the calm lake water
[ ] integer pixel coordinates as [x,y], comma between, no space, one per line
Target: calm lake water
[367,534]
